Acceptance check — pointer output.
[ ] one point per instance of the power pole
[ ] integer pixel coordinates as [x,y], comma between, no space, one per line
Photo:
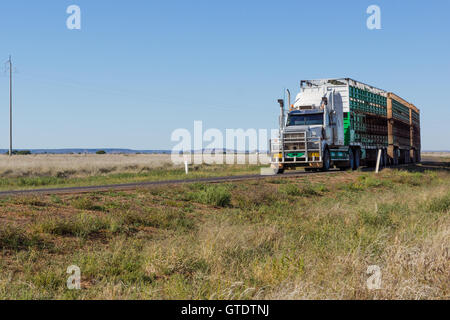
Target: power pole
[10,106]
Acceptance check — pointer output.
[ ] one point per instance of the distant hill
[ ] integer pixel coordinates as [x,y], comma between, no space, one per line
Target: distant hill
[90,151]
[131,151]
[118,151]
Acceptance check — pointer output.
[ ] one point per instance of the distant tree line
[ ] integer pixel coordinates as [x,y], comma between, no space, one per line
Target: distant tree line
[19,152]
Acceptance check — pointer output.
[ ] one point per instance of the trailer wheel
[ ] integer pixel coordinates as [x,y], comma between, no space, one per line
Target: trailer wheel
[357,161]
[413,155]
[326,159]
[395,159]
[383,159]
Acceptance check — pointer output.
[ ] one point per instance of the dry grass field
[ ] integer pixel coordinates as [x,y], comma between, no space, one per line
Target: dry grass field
[312,237]
[74,165]
[436,156]
[87,165]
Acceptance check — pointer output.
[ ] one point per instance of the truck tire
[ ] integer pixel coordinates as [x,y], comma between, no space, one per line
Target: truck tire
[326,160]
[413,155]
[357,156]
[278,171]
[351,158]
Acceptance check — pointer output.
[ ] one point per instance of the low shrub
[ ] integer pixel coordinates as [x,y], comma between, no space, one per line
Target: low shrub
[309,190]
[218,196]
[14,238]
[411,178]
[251,199]
[84,203]
[383,215]
[289,189]
[161,219]
[440,204]
[82,225]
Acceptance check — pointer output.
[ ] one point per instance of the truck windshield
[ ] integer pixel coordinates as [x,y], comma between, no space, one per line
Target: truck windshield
[305,119]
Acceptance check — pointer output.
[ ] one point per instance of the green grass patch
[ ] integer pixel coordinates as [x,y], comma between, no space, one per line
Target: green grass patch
[169,219]
[307,189]
[383,214]
[16,239]
[367,181]
[215,195]
[123,263]
[81,225]
[289,189]
[440,204]
[85,203]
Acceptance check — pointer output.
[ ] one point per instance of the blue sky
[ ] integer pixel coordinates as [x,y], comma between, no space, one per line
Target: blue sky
[137,70]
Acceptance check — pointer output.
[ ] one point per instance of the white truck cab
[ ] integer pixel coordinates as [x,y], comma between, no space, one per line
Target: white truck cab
[314,124]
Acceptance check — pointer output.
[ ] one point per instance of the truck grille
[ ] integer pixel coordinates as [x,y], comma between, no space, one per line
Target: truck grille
[295,141]
[295,136]
[296,147]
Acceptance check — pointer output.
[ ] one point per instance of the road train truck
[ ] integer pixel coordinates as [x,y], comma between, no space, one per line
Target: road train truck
[343,123]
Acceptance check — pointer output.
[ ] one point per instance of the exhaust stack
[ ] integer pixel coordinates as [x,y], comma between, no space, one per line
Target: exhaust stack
[289,99]
[281,102]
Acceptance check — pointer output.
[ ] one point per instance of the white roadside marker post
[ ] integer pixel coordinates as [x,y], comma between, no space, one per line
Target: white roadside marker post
[378,161]
[186,167]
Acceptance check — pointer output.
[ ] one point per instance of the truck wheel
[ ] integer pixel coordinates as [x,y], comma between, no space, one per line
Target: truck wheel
[351,158]
[326,160]
[278,171]
[357,161]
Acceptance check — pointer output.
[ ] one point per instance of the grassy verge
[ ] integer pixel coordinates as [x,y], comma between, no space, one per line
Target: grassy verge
[309,237]
[157,174]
